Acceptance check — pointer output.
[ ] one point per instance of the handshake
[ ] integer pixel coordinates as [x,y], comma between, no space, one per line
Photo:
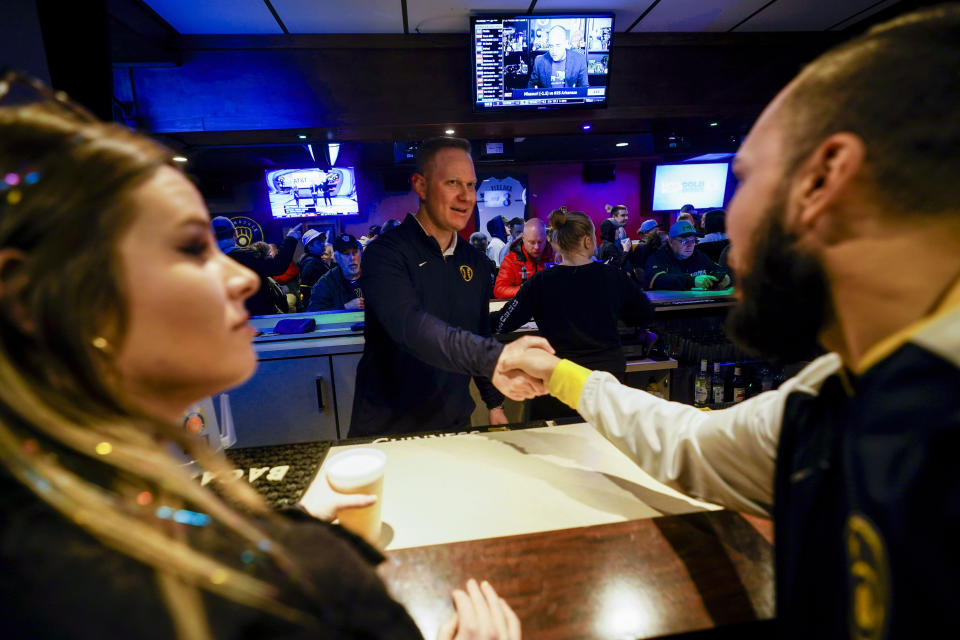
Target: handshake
[525,368]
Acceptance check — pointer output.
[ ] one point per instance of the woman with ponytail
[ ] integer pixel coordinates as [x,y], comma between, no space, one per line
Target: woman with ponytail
[117,312]
[576,306]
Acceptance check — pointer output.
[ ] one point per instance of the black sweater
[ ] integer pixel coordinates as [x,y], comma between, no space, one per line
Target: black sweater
[262,302]
[426,333]
[576,309]
[57,581]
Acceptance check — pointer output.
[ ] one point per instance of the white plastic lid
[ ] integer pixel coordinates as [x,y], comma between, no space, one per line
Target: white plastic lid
[355,468]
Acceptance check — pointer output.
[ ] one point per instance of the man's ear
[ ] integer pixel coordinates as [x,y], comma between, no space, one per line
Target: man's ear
[419,182]
[13,288]
[825,177]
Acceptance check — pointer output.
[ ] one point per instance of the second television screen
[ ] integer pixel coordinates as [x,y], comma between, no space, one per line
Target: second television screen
[310,192]
[702,185]
[541,61]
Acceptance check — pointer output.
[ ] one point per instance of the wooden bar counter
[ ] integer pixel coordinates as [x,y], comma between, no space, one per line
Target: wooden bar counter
[576,537]
[648,578]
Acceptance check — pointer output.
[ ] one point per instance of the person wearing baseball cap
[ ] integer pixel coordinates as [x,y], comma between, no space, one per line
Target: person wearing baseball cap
[651,239]
[678,266]
[312,265]
[339,288]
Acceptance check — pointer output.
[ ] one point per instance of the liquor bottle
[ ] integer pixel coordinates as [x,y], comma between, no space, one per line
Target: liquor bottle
[766,379]
[701,386]
[739,387]
[716,385]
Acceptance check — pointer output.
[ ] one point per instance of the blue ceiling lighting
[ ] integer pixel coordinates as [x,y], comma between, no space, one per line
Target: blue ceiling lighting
[225,17]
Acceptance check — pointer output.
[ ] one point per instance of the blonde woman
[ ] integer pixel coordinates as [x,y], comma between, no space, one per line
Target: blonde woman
[576,306]
[117,311]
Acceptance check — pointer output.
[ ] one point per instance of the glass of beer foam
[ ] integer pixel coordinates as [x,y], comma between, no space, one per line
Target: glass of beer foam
[359,471]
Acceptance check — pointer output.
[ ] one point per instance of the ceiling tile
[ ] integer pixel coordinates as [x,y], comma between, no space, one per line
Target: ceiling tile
[804,15]
[697,15]
[453,16]
[626,10]
[217,16]
[338,16]
[857,17]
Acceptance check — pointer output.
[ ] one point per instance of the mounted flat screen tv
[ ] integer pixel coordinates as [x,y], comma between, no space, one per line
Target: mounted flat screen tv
[540,61]
[311,192]
[703,185]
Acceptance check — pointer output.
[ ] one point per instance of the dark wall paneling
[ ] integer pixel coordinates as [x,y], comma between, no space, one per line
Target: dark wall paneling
[246,90]
[21,39]
[76,39]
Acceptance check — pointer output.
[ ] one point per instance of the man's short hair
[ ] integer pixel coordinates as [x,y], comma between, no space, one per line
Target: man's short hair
[897,87]
[534,223]
[431,147]
[617,208]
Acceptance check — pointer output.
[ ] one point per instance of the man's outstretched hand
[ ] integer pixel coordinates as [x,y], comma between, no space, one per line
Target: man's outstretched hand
[513,382]
[535,363]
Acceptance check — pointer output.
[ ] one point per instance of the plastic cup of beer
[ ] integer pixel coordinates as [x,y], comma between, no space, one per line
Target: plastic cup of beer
[359,471]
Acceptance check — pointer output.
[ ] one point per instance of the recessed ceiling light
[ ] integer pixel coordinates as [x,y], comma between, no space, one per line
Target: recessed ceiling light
[449,132]
[302,136]
[622,144]
[714,124]
[587,127]
[179,158]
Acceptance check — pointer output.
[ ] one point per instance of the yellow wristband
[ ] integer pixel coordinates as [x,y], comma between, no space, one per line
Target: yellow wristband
[567,382]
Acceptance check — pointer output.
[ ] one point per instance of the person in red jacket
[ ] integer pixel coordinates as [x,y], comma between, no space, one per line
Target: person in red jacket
[527,255]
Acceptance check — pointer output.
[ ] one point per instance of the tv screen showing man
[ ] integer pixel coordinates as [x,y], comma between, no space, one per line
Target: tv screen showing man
[560,66]
[542,61]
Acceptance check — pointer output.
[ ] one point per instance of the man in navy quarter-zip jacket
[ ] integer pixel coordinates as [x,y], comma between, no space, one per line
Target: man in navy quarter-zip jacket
[427,295]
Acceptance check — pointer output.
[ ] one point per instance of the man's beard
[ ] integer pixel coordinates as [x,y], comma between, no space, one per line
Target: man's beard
[784,300]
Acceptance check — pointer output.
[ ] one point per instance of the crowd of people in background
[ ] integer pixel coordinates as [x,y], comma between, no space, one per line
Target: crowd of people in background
[689,254]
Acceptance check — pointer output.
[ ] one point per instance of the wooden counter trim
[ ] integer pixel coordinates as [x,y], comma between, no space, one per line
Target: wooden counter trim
[637,579]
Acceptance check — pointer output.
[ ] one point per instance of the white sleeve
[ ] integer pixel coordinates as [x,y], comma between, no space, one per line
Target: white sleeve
[726,457]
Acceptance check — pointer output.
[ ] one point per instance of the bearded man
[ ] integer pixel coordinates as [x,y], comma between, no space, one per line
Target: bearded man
[845,234]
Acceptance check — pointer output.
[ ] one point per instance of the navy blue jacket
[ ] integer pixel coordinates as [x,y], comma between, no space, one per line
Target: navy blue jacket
[574,70]
[426,333]
[333,291]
